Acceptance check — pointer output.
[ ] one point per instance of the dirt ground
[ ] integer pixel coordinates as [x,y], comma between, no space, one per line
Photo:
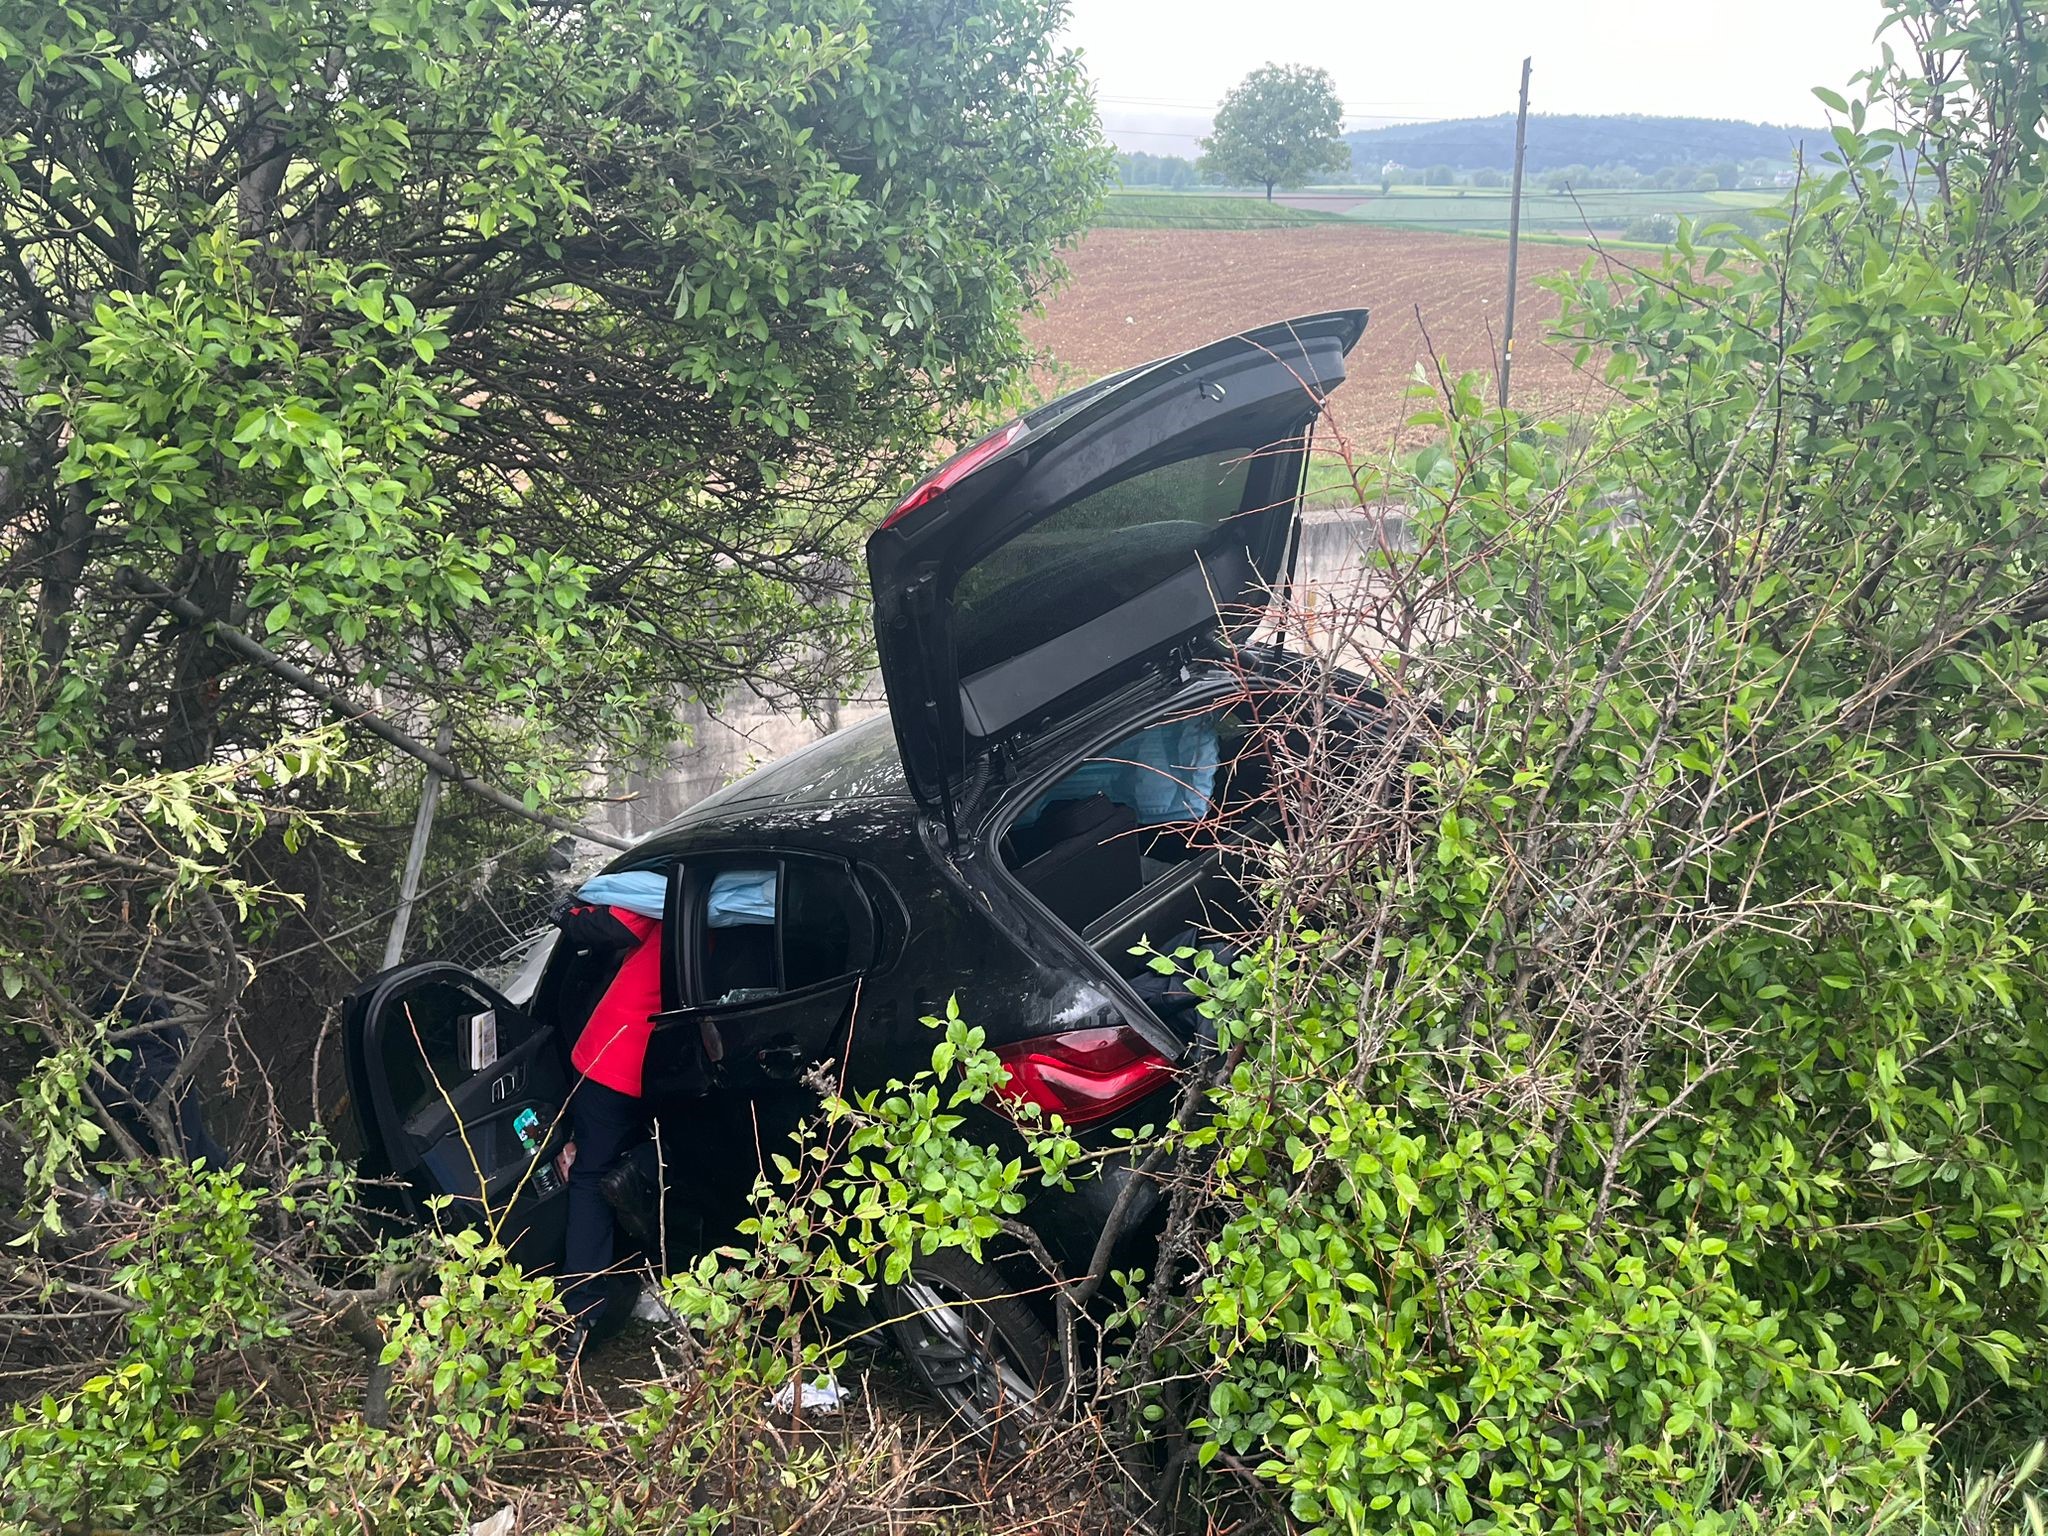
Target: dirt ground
[1142,293]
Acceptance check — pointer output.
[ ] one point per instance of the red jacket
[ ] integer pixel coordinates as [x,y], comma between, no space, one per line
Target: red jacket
[613,1046]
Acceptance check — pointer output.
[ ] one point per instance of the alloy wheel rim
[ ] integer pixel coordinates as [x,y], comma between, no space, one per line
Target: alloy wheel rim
[964,1365]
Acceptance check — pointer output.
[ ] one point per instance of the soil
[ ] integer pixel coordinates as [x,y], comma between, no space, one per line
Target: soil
[1143,293]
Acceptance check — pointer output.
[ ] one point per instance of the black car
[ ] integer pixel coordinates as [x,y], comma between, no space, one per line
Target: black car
[1051,612]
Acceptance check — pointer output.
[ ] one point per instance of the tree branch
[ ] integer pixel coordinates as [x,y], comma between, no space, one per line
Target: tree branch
[361,714]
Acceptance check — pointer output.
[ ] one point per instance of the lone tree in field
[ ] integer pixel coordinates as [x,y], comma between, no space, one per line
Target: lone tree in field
[1277,129]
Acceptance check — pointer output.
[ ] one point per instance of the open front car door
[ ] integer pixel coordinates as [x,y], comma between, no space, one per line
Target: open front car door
[461,1094]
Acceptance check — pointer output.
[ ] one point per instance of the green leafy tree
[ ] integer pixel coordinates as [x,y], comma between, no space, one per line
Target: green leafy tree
[1278,128]
[513,366]
[524,359]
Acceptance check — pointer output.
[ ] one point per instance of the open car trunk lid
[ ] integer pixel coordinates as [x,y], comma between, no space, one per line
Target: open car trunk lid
[1044,565]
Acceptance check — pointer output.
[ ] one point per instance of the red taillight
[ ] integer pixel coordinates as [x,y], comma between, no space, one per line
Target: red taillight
[956,469]
[1084,1075]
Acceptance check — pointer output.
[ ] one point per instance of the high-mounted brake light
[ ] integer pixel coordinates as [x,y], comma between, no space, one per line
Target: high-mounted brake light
[1084,1075]
[956,469]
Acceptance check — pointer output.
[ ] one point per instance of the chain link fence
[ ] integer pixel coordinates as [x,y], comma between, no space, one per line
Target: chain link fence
[485,916]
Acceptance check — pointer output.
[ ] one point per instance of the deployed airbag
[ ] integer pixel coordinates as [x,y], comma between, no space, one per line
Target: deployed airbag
[1164,773]
[644,891]
[740,898]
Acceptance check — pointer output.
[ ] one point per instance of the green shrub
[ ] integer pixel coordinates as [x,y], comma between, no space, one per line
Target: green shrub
[470,1363]
[1634,1118]
[161,1439]
[164,1434]
[1429,1320]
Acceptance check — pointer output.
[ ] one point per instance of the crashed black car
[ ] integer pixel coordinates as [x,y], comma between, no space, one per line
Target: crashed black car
[1053,610]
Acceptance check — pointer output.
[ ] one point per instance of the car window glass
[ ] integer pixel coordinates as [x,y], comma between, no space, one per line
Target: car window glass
[1096,555]
[425,1042]
[780,927]
[739,962]
[827,931]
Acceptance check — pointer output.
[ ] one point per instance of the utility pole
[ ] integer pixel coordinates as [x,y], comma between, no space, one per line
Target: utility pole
[1507,352]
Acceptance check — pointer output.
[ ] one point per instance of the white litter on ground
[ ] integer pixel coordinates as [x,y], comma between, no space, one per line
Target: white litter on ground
[648,1307]
[822,1396]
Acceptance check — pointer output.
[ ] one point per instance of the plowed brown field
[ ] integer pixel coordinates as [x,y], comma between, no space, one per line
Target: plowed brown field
[1142,293]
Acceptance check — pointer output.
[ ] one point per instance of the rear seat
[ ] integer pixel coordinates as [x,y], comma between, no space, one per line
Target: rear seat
[1080,857]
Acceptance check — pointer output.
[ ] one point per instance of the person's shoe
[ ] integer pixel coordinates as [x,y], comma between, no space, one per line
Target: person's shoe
[569,1350]
[632,1188]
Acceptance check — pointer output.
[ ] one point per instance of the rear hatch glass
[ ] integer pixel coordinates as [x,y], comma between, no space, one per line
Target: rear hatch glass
[1098,554]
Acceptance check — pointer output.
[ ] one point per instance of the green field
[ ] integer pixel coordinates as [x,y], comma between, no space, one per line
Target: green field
[1140,208]
[1469,210]
[1482,208]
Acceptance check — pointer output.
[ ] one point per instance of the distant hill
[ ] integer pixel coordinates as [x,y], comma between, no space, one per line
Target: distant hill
[1647,143]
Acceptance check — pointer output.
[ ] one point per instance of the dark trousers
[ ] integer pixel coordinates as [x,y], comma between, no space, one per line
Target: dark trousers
[605,1124]
[138,1078]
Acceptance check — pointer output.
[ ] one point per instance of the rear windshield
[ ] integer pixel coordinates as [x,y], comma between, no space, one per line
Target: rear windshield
[1098,554]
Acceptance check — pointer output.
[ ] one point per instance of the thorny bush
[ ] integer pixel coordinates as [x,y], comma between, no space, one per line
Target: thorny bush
[202,1420]
[1634,1120]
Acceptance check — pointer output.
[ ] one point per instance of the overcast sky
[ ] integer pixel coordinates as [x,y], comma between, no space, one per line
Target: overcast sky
[1161,65]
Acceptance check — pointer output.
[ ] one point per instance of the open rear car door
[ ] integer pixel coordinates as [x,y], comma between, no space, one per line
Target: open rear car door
[460,1093]
[1042,566]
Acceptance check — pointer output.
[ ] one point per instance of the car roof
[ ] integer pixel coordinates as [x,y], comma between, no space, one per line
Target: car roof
[855,766]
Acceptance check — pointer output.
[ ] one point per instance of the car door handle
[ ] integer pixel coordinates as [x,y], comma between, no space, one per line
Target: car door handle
[708,1037]
[505,1084]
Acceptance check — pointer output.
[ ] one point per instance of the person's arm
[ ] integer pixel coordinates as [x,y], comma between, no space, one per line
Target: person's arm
[593,927]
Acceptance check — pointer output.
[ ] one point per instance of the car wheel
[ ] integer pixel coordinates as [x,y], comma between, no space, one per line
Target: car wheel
[980,1351]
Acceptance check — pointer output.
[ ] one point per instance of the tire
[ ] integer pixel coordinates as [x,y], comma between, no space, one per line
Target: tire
[980,1351]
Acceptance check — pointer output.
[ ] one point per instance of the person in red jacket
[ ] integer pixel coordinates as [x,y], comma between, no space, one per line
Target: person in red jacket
[607,1116]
